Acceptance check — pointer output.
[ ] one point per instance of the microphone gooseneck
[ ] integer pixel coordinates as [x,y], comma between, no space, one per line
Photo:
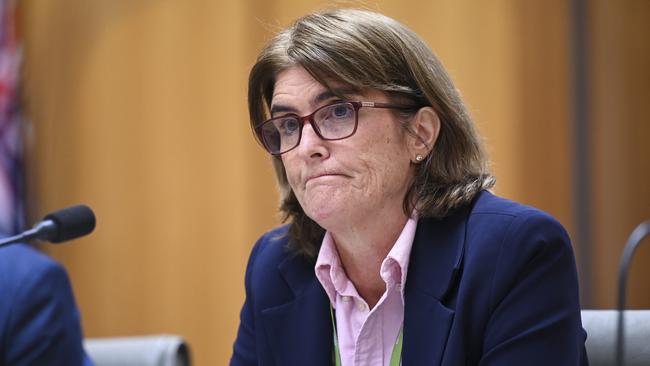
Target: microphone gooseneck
[639,233]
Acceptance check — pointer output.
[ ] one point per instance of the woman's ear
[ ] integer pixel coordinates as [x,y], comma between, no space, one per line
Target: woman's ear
[425,127]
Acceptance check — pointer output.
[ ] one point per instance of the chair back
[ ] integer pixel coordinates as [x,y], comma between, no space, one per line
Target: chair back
[153,350]
[601,327]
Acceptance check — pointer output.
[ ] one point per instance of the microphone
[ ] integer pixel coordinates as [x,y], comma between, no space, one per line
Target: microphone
[58,226]
[633,241]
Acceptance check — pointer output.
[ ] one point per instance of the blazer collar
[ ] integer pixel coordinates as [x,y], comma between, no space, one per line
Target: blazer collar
[300,331]
[435,265]
[437,254]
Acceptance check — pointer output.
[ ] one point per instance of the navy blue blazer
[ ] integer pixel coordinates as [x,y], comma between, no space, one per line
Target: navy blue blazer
[492,284]
[39,321]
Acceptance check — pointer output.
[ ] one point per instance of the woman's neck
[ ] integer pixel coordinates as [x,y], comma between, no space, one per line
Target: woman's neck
[362,249]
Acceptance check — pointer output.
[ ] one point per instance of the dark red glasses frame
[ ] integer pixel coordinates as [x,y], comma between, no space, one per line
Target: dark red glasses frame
[310,117]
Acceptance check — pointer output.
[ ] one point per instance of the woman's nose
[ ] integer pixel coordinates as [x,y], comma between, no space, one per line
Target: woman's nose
[311,145]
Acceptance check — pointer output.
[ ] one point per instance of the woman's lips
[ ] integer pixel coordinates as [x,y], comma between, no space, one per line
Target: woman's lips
[323,177]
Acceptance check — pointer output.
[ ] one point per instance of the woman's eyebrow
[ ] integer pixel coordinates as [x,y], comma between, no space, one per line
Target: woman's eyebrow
[278,108]
[319,99]
[342,92]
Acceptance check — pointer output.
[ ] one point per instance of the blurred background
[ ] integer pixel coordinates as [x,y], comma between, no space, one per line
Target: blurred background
[138,108]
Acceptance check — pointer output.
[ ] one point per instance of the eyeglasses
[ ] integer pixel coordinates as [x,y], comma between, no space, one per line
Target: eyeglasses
[335,121]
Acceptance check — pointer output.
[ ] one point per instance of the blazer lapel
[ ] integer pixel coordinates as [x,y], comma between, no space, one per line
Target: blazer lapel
[435,264]
[300,331]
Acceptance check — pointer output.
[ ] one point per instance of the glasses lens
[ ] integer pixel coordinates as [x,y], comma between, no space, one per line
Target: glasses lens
[280,134]
[336,121]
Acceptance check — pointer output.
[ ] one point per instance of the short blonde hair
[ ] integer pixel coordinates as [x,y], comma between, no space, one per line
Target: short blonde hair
[366,50]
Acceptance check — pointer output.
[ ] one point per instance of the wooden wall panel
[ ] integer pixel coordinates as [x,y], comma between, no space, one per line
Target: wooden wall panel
[620,55]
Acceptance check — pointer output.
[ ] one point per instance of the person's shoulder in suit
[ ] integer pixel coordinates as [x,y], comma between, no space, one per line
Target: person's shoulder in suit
[270,262]
[504,224]
[39,320]
[519,260]
[271,248]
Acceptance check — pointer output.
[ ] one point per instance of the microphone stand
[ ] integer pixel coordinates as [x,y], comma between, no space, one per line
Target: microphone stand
[42,230]
[633,241]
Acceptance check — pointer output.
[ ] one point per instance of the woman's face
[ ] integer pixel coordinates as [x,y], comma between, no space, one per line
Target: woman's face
[342,183]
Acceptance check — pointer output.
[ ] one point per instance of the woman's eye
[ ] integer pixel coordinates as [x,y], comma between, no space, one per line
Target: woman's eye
[290,125]
[341,111]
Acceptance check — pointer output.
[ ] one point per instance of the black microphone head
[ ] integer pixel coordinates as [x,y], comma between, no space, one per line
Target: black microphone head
[71,223]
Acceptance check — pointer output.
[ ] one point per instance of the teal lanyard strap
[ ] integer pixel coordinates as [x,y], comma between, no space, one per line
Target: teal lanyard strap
[337,352]
[395,357]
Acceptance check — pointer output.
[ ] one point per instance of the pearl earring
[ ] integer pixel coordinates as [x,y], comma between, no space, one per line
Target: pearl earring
[419,158]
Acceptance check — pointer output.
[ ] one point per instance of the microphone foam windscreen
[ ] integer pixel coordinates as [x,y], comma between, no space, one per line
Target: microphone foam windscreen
[72,222]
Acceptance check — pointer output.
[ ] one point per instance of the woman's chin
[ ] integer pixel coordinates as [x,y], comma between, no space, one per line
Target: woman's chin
[327,213]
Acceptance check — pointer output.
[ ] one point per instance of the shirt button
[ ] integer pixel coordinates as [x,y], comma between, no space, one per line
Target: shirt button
[345,298]
[361,306]
[398,287]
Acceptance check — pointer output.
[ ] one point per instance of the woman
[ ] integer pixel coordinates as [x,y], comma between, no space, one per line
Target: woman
[395,251]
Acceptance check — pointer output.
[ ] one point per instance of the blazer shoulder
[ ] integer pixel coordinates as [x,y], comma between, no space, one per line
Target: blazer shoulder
[274,274]
[22,270]
[21,262]
[490,207]
[507,241]
[496,225]
[271,248]
[39,298]
[519,266]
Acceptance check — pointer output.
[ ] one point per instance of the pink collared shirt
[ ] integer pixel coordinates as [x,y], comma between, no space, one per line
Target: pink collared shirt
[366,337]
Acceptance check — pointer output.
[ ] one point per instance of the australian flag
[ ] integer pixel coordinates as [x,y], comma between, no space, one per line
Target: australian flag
[11,147]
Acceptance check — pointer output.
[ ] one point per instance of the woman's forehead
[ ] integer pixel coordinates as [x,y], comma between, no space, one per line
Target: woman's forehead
[297,85]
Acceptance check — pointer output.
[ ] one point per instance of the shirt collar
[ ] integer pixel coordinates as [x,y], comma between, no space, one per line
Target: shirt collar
[328,266]
[393,270]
